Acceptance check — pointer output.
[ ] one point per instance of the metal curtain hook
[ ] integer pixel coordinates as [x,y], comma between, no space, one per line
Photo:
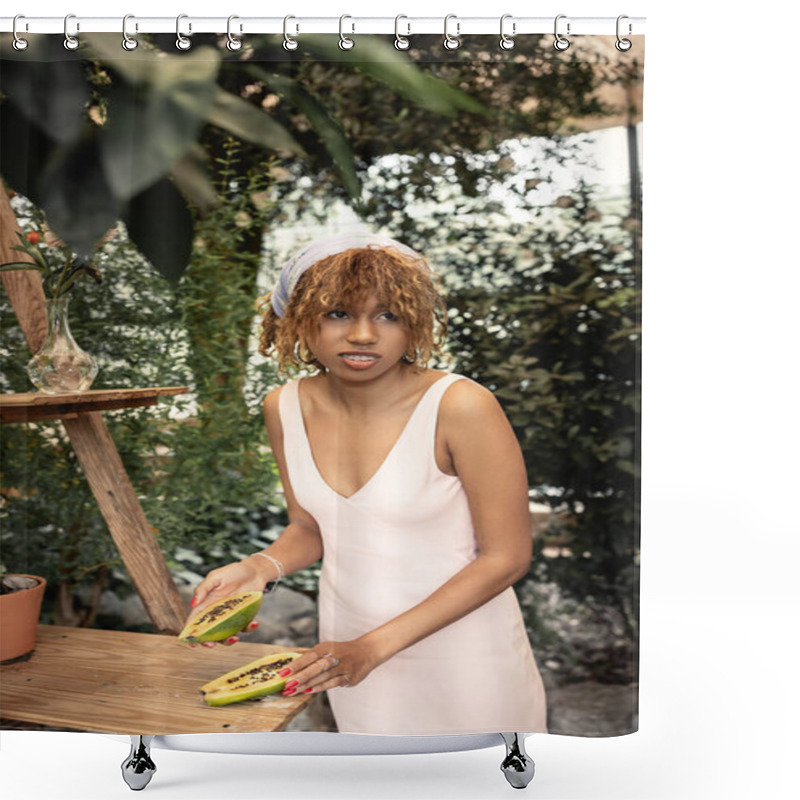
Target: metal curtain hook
[70,42]
[344,42]
[128,43]
[234,43]
[506,41]
[182,42]
[560,42]
[19,43]
[451,42]
[288,42]
[623,45]
[401,42]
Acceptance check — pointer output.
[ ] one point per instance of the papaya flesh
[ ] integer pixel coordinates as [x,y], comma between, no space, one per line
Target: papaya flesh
[249,682]
[222,619]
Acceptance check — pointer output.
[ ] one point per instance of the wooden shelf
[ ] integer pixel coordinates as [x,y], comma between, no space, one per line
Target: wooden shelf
[36,406]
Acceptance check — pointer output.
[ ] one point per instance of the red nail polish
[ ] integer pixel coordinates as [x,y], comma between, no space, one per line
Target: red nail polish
[291,684]
[287,692]
[284,672]
[193,603]
[310,689]
[232,640]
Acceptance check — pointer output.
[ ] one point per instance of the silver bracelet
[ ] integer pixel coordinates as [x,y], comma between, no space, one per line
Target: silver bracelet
[272,584]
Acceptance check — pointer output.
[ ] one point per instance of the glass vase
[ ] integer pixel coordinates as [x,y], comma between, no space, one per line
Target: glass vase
[60,365]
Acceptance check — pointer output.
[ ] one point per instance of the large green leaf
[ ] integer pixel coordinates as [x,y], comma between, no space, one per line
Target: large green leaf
[325,126]
[51,93]
[76,197]
[380,60]
[155,114]
[160,225]
[24,152]
[243,119]
[190,176]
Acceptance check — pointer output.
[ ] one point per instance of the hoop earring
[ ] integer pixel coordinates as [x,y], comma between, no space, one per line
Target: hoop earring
[409,359]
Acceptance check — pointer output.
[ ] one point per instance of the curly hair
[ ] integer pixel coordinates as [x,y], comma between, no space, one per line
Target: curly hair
[402,283]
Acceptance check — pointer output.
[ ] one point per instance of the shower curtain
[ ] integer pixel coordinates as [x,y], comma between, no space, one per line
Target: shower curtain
[156,191]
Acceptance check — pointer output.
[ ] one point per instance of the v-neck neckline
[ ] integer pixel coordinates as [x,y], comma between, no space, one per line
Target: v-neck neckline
[374,476]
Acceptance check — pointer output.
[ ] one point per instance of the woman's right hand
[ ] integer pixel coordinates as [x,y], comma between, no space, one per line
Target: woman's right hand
[240,576]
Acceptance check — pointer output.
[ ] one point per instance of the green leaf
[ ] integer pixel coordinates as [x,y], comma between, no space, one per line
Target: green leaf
[378,59]
[50,90]
[325,126]
[77,199]
[243,119]
[30,249]
[160,225]
[190,176]
[154,121]
[24,151]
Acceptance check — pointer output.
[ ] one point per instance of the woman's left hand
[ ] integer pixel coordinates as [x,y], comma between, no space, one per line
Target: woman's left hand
[328,665]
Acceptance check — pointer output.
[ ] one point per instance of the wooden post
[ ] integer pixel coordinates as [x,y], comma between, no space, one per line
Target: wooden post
[23,287]
[126,521]
[97,453]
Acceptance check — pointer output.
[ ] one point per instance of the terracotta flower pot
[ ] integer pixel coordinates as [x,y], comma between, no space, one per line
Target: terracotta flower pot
[19,615]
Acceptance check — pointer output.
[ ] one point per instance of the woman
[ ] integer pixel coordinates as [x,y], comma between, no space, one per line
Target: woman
[410,485]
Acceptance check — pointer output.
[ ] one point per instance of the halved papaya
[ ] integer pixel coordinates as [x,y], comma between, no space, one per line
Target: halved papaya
[222,619]
[253,680]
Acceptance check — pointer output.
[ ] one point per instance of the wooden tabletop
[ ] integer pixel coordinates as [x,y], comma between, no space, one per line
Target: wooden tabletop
[33,406]
[133,683]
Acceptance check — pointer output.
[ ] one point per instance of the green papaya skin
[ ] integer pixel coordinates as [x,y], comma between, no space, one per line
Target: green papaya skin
[222,619]
[253,680]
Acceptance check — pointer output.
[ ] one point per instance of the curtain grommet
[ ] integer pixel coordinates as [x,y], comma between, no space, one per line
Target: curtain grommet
[507,42]
[19,43]
[401,42]
[344,42]
[560,43]
[289,42]
[71,42]
[451,42]
[234,43]
[128,42]
[623,45]
[182,42]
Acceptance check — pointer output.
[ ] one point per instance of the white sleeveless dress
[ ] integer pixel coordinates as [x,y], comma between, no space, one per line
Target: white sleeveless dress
[388,547]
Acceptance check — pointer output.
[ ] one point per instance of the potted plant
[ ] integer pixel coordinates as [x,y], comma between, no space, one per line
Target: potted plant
[20,605]
[59,365]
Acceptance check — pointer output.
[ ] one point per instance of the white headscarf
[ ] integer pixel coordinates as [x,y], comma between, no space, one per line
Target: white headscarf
[322,248]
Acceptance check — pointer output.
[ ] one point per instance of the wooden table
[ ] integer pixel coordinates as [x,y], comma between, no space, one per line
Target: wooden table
[133,683]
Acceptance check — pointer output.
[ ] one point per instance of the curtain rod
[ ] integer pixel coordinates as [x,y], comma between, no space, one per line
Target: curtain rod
[187,24]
